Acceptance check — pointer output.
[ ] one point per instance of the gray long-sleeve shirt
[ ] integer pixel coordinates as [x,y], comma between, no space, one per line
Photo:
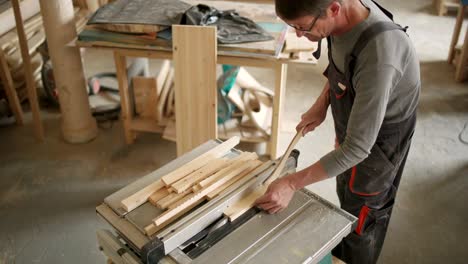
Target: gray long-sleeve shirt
[387,85]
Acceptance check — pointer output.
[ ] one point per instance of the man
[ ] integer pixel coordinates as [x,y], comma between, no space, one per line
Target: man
[373,88]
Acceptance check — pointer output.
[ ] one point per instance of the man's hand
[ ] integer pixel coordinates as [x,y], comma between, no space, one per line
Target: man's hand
[277,196]
[312,118]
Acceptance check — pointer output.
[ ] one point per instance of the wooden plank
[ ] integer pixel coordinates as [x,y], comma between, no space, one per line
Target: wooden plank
[195,56]
[276,173]
[130,28]
[162,75]
[199,175]
[171,198]
[233,166]
[146,96]
[461,71]
[152,228]
[158,195]
[239,177]
[234,96]
[163,96]
[10,90]
[243,205]
[200,161]
[140,197]
[30,84]
[168,215]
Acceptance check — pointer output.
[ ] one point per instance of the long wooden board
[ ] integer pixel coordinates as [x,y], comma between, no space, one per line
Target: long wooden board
[195,57]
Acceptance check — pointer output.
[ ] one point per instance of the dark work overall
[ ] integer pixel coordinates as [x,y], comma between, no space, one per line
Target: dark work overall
[367,190]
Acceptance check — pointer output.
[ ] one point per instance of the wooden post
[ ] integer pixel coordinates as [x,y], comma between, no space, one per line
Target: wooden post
[280,86]
[28,74]
[126,110]
[78,125]
[195,56]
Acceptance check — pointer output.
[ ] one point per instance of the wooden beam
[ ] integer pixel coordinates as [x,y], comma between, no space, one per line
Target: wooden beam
[233,165]
[199,175]
[243,205]
[195,56]
[171,198]
[158,195]
[140,197]
[239,177]
[30,84]
[200,161]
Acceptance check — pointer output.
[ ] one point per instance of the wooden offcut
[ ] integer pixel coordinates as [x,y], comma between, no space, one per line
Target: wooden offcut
[170,199]
[157,196]
[146,96]
[195,57]
[141,196]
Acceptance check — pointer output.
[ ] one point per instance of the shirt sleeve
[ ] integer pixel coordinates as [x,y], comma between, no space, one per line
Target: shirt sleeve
[373,87]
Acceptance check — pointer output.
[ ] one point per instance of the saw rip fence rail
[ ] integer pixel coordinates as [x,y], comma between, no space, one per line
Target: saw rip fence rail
[201,179]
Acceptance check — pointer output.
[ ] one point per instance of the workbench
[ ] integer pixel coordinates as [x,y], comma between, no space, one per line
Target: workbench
[277,63]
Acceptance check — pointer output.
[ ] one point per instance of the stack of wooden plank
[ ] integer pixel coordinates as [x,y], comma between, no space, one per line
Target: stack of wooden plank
[11,54]
[198,180]
[12,62]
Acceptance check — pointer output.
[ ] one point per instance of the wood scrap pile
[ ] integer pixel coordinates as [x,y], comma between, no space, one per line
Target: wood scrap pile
[10,54]
[201,179]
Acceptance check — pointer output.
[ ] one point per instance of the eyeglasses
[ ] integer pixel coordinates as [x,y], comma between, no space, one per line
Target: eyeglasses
[311,26]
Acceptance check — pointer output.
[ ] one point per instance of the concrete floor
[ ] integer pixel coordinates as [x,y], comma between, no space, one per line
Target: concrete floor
[48,191]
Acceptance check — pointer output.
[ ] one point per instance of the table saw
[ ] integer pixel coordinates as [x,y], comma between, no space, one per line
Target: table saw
[306,231]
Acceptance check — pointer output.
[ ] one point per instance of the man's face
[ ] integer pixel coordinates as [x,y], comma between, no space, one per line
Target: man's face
[311,27]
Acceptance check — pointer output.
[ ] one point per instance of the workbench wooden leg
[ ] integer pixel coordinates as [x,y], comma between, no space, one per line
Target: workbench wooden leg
[280,87]
[30,83]
[126,111]
[10,91]
[460,73]
[456,33]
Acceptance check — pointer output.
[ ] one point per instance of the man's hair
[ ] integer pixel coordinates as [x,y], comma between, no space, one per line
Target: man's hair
[292,9]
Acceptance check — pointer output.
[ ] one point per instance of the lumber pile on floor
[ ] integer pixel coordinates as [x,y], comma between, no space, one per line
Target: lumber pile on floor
[11,54]
[193,183]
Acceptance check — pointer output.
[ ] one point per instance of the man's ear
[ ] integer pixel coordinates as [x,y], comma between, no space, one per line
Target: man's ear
[334,9]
